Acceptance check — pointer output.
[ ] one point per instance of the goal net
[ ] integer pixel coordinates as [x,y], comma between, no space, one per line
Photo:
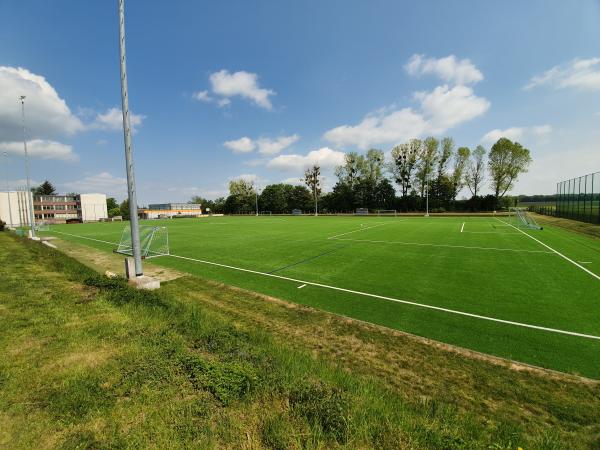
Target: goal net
[521,218]
[362,212]
[386,212]
[41,226]
[297,212]
[264,213]
[154,241]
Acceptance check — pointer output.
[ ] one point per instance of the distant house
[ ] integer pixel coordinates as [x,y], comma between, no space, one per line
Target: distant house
[168,210]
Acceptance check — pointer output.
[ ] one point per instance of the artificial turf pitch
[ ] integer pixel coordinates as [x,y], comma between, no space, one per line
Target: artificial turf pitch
[390,271]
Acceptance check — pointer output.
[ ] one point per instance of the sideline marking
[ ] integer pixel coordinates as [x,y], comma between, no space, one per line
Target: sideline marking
[448,246]
[597,277]
[360,229]
[584,262]
[462,227]
[300,287]
[366,294]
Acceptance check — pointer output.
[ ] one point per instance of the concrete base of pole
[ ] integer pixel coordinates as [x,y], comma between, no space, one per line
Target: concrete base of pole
[145,282]
[141,282]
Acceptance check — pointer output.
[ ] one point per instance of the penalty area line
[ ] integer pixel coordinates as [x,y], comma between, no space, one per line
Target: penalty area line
[597,277]
[366,294]
[356,231]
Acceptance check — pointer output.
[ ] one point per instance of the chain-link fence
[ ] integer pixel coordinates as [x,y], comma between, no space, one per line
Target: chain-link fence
[579,198]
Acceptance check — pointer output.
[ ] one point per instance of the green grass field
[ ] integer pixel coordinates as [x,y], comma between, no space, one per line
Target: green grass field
[456,280]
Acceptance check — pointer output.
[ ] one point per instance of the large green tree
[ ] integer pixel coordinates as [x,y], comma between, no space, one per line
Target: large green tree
[457,179]
[475,171]
[427,160]
[404,163]
[312,179]
[506,161]
[46,188]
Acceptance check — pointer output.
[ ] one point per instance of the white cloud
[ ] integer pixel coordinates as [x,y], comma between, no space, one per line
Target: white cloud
[379,128]
[446,108]
[324,157]
[583,74]
[43,149]
[448,69]
[441,109]
[517,134]
[112,120]
[202,96]
[241,145]
[266,146]
[243,84]
[103,183]
[47,115]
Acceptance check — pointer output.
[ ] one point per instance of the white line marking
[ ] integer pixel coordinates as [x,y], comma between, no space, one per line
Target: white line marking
[360,229]
[584,262]
[462,227]
[447,246]
[597,277]
[366,294]
[84,237]
[300,287]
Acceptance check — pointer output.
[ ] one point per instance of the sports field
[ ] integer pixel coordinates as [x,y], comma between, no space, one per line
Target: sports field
[476,282]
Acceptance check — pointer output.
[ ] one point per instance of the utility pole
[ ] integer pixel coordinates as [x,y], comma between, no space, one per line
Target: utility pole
[29,193]
[133,214]
[8,193]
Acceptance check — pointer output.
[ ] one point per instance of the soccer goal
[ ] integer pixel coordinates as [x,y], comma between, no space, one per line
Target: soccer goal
[296,212]
[265,213]
[521,218]
[387,212]
[154,241]
[41,226]
[362,212]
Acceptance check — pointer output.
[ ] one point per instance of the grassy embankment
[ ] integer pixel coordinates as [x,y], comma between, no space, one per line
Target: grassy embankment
[90,363]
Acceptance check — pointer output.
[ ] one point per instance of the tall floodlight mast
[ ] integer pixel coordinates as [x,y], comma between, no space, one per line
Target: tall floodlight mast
[133,214]
[8,192]
[29,193]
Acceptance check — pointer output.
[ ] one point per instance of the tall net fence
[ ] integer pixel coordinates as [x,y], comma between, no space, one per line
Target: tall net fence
[579,198]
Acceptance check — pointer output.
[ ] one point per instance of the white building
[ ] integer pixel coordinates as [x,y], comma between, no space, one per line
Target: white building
[14,208]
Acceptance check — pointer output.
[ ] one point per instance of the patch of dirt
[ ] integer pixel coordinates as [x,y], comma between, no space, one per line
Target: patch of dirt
[102,261]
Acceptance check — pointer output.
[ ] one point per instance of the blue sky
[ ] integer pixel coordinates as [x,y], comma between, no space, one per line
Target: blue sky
[261,89]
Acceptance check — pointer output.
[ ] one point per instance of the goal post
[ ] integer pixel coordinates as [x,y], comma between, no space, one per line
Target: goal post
[387,212]
[154,241]
[521,218]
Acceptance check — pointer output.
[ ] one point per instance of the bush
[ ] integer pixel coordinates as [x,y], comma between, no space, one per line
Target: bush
[2,225]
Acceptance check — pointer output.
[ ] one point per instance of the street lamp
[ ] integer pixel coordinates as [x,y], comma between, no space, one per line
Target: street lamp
[29,193]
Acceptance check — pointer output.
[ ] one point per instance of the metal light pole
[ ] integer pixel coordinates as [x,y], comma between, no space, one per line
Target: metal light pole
[315,194]
[133,214]
[256,198]
[8,193]
[427,198]
[29,193]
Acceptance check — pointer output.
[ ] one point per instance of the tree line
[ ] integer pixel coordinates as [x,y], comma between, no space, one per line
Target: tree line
[418,171]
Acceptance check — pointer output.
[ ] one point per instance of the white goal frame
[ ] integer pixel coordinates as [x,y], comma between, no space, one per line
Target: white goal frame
[154,241]
[265,213]
[387,212]
[522,218]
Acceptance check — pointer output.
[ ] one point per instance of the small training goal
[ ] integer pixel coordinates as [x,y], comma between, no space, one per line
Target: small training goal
[362,212]
[296,212]
[521,218]
[387,212]
[41,226]
[265,213]
[154,241]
